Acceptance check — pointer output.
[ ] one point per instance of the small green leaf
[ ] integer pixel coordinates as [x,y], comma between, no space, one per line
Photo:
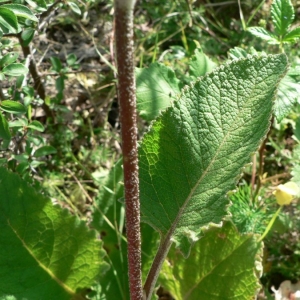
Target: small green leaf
[4,128]
[200,64]
[44,150]
[36,125]
[282,14]
[60,84]
[39,5]
[18,123]
[13,107]
[51,252]
[36,163]
[74,7]
[56,64]
[21,11]
[264,34]
[71,59]
[21,157]
[27,36]
[8,20]
[22,167]
[19,81]
[292,36]
[221,259]
[150,101]
[8,58]
[287,96]
[295,71]
[15,69]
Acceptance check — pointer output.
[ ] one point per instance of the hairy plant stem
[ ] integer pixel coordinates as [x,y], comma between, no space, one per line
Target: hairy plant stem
[127,102]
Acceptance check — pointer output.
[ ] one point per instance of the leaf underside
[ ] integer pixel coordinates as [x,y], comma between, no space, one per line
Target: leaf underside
[195,151]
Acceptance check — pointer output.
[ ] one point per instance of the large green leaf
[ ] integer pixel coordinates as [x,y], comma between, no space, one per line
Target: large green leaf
[157,87]
[222,265]
[46,253]
[282,14]
[195,150]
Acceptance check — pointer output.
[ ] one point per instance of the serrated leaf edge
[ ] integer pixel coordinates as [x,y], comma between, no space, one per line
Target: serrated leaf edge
[75,221]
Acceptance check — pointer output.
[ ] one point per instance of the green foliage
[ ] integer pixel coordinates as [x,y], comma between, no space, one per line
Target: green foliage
[45,252]
[12,107]
[226,267]
[4,129]
[282,14]
[248,215]
[200,135]
[152,100]
[287,97]
[200,64]
[199,140]
[108,219]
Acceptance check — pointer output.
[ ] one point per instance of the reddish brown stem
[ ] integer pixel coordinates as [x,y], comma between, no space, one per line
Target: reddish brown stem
[38,85]
[127,102]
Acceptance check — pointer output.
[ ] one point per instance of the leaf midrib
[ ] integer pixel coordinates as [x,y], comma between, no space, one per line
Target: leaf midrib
[187,294]
[169,234]
[47,270]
